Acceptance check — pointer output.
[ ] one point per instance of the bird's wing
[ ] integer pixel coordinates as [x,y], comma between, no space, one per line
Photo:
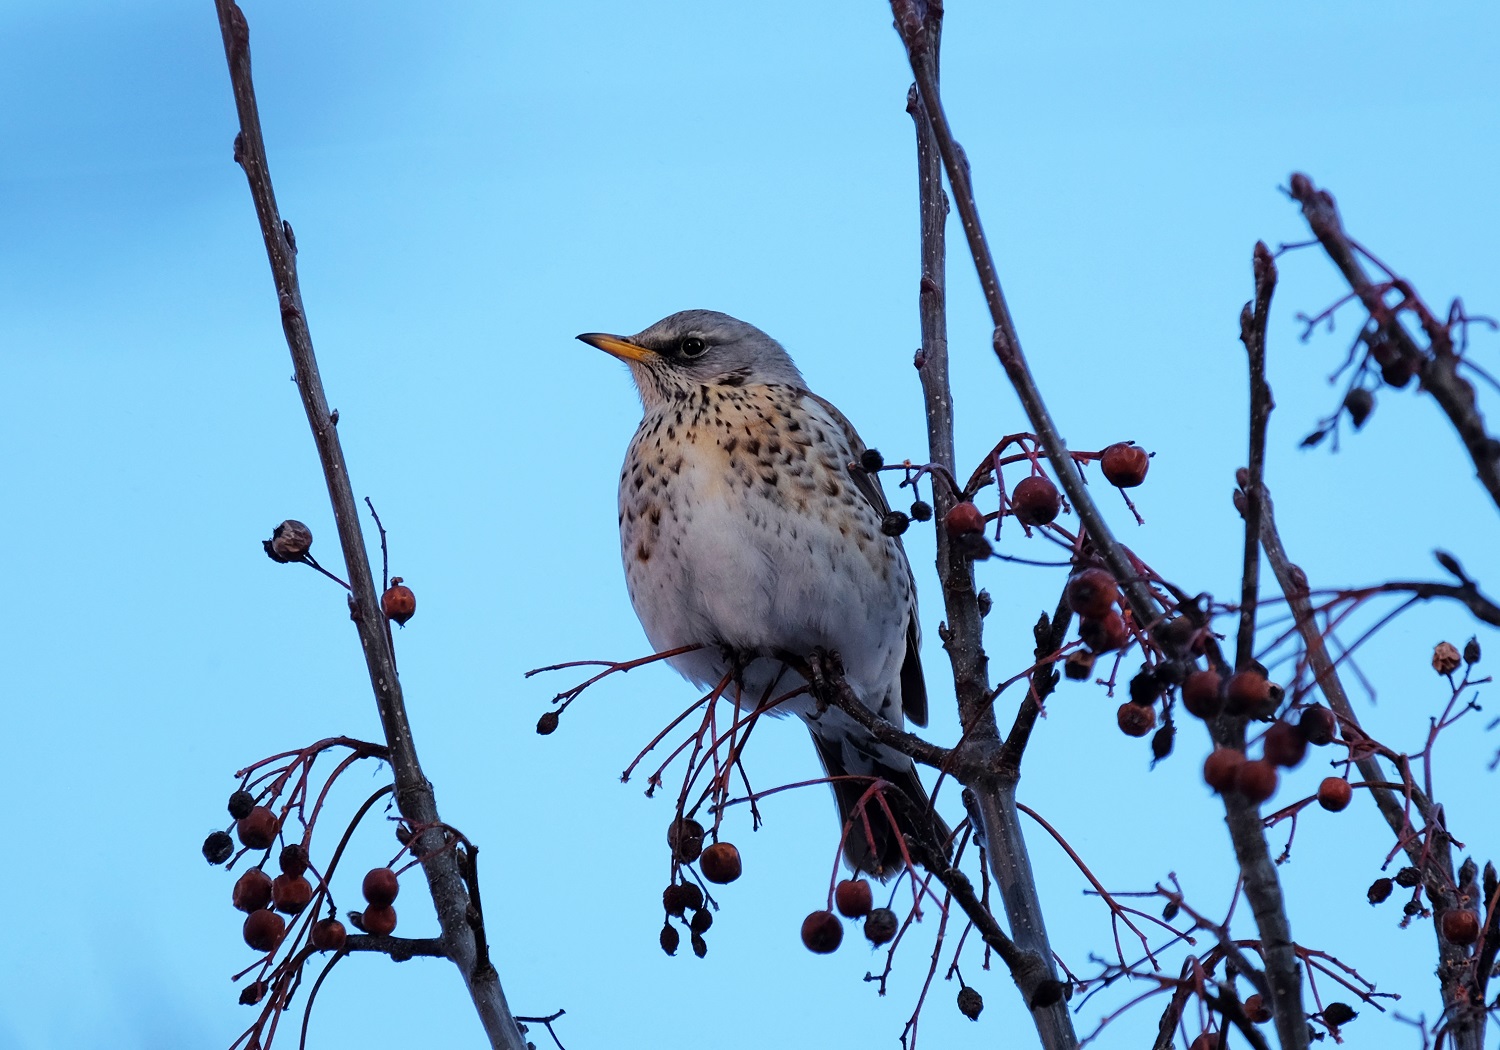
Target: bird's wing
[913,685]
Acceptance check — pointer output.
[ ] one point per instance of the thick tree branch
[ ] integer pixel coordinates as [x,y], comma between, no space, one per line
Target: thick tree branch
[414,794]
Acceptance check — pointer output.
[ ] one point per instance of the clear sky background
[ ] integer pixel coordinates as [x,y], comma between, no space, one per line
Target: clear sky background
[471,185]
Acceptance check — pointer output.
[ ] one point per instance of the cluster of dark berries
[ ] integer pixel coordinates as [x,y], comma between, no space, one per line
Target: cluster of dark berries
[1283,746]
[718,862]
[822,932]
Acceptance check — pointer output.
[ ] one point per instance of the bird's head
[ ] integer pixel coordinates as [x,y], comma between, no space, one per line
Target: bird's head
[695,348]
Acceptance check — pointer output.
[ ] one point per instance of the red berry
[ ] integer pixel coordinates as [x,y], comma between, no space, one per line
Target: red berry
[685,837]
[264,930]
[1200,694]
[398,602]
[380,886]
[1092,592]
[379,919]
[291,893]
[964,519]
[1035,501]
[1255,780]
[328,935]
[1334,793]
[822,932]
[257,829]
[252,890]
[1104,634]
[1460,927]
[1220,767]
[1284,746]
[853,898]
[720,863]
[1257,1009]
[1317,725]
[1205,1041]
[1247,692]
[880,926]
[1135,719]
[1125,464]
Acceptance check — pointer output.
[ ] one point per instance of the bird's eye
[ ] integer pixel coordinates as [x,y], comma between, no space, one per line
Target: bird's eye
[692,346]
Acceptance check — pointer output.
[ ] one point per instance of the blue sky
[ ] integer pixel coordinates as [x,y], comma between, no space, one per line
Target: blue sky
[472,185]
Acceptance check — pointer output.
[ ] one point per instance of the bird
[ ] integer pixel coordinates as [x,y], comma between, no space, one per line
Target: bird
[750,527]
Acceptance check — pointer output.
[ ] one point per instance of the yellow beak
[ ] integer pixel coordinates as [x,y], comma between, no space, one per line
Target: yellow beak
[614,345]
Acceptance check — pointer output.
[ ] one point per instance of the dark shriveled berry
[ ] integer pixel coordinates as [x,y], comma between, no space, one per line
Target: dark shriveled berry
[701,921]
[670,938]
[822,932]
[1048,992]
[685,839]
[1161,741]
[240,804]
[881,925]
[264,930]
[1125,464]
[1144,688]
[700,946]
[1079,665]
[1379,891]
[380,886]
[674,899]
[720,863]
[870,460]
[293,859]
[1035,501]
[1105,634]
[1359,403]
[253,993]
[853,898]
[547,724]
[1337,1014]
[921,511]
[1409,877]
[218,847]
[894,523]
[970,1003]
[290,541]
[1471,651]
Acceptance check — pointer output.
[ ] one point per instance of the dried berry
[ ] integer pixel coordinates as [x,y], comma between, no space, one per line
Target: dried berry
[670,938]
[1247,693]
[1200,694]
[398,602]
[853,898]
[701,921]
[547,724]
[921,511]
[1125,464]
[257,829]
[985,602]
[894,523]
[328,935]
[379,919]
[240,804]
[264,930]
[1411,909]
[1221,767]
[1035,501]
[964,519]
[252,890]
[1317,725]
[700,946]
[1359,403]
[1284,746]
[380,886]
[685,839]
[1409,877]
[1161,742]
[1079,665]
[1337,1014]
[1048,992]
[970,1003]
[293,859]
[1255,780]
[1104,634]
[253,993]
[871,460]
[1460,927]
[1135,719]
[1257,1009]
[1445,658]
[720,863]
[1379,891]
[218,847]
[822,932]
[1471,651]
[1144,688]
[1170,911]
[1399,372]
[290,541]
[674,899]
[1334,794]
[880,926]
[1092,592]
[290,894]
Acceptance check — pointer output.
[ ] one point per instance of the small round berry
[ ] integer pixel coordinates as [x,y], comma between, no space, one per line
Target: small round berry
[1105,634]
[240,804]
[964,519]
[970,1003]
[921,511]
[1135,719]
[1460,927]
[1334,794]
[1257,1009]
[1317,725]
[264,930]
[218,847]
[547,724]
[1359,403]
[290,541]
[379,919]
[1035,501]
[894,523]
[1092,592]
[398,602]
[328,935]
[1125,464]
[1338,1014]
[257,829]
[1255,780]
[1380,890]
[1205,1041]
[1144,688]
[380,886]
[1445,658]
[293,859]
[822,932]
[720,863]
[1284,746]
[1200,694]
[685,838]
[1220,768]
[1079,665]
[252,890]
[880,926]
[670,938]
[290,894]
[870,460]
[701,921]
[853,898]
[1247,692]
